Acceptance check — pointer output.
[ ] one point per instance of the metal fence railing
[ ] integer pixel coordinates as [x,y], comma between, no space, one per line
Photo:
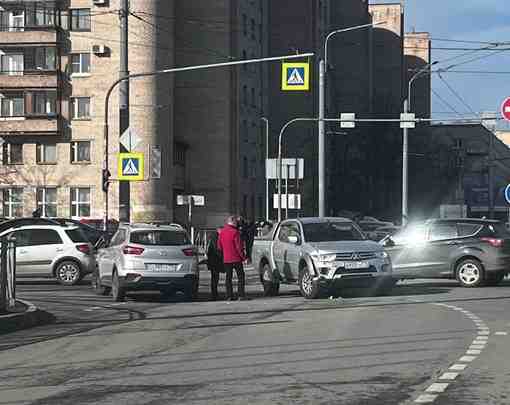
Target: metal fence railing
[7,274]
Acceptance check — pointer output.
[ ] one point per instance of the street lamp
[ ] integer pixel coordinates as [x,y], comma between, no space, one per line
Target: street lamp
[266,121]
[323,65]
[405,141]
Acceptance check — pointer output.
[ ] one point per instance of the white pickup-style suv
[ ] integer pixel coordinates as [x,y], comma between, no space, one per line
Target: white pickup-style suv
[147,257]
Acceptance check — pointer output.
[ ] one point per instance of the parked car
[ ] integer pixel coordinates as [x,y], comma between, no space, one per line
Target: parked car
[19,222]
[93,234]
[383,231]
[473,251]
[147,257]
[52,251]
[320,254]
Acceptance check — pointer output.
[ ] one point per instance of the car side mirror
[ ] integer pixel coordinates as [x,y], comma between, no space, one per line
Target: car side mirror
[293,239]
[388,243]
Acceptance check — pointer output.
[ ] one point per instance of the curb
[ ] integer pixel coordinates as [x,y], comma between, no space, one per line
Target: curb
[33,316]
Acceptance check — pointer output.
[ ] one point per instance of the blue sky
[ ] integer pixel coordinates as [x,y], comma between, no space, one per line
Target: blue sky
[471,20]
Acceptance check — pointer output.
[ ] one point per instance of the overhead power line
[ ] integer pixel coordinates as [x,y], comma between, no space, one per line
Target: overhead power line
[456,94]
[446,103]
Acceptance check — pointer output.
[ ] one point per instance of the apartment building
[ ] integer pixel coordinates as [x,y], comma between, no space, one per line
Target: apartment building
[217,117]
[58,59]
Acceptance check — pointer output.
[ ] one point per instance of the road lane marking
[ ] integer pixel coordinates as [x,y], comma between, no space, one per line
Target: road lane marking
[484,332]
[477,347]
[482,338]
[458,367]
[467,359]
[449,376]
[473,352]
[425,399]
[501,333]
[437,387]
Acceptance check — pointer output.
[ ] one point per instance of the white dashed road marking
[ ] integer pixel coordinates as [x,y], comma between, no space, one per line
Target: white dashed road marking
[501,333]
[475,349]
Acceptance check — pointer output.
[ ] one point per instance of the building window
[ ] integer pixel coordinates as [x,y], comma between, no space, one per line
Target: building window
[46,153]
[80,63]
[12,63]
[253,97]
[80,202]
[179,154]
[44,16]
[45,102]
[45,58]
[245,56]
[13,202]
[245,167]
[47,201]
[80,152]
[261,207]
[253,27]
[245,205]
[12,153]
[245,25]
[80,19]
[245,95]
[12,105]
[80,108]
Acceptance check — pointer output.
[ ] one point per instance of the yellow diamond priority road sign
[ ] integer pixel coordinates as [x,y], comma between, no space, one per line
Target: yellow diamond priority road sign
[130,166]
[295,76]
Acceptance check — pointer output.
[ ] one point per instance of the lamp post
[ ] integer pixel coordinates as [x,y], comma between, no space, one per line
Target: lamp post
[323,66]
[405,142]
[266,121]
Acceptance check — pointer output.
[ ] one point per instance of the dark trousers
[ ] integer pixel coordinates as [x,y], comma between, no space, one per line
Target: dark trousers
[215,278]
[229,269]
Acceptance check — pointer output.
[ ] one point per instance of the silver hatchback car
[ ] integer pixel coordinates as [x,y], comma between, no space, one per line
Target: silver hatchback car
[52,251]
[147,257]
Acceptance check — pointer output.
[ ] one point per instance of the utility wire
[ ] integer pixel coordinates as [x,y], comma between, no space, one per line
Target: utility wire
[471,42]
[446,103]
[475,59]
[173,33]
[456,94]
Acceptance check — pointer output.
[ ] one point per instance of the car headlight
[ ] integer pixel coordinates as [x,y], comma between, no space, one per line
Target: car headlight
[326,258]
[382,255]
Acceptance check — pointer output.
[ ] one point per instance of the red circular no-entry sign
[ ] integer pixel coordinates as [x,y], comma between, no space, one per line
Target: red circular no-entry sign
[505,109]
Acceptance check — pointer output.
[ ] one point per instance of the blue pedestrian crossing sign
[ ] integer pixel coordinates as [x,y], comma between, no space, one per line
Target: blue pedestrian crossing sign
[131,166]
[295,76]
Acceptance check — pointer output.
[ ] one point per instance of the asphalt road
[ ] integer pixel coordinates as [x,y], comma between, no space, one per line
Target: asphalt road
[429,341]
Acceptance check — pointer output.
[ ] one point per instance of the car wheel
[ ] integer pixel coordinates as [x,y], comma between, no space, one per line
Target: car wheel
[309,288]
[494,278]
[96,284]
[470,273]
[118,293]
[271,288]
[68,273]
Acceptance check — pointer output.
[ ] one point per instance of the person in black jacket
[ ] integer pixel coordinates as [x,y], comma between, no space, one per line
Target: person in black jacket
[214,263]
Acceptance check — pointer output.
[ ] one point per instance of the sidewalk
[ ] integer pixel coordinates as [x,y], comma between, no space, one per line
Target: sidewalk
[24,315]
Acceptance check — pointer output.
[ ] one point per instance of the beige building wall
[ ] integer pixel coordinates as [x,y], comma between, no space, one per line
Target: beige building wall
[151,114]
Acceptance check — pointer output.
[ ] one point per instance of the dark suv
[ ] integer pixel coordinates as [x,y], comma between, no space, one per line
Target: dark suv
[474,251]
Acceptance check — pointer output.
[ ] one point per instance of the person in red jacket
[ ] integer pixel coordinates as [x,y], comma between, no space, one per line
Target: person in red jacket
[229,242]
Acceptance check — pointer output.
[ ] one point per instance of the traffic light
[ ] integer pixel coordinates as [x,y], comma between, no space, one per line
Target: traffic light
[106,179]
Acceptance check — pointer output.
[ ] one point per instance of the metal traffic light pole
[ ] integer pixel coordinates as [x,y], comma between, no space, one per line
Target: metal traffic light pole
[105,172]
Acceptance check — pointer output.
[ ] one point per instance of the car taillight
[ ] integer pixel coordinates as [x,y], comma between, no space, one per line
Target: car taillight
[188,252]
[84,248]
[132,250]
[493,241]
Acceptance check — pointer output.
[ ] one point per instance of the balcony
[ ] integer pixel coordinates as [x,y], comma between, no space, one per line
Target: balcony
[38,79]
[30,36]
[29,125]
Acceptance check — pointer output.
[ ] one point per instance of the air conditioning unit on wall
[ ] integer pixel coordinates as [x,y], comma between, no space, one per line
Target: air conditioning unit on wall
[100,2]
[99,49]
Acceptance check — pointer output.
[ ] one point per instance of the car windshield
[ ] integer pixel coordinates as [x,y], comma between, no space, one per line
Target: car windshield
[77,235]
[160,238]
[331,231]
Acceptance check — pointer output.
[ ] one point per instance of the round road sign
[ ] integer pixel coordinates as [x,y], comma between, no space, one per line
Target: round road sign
[507,194]
[505,109]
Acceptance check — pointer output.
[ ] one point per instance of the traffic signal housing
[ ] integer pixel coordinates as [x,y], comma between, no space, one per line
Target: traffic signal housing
[106,179]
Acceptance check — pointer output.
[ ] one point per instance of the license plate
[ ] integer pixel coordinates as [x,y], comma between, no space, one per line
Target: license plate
[163,268]
[356,265]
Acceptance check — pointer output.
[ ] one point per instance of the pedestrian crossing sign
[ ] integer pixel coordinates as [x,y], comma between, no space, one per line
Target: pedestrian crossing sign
[131,166]
[295,76]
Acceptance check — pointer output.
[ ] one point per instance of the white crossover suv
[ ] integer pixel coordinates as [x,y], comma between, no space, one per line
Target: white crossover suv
[147,257]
